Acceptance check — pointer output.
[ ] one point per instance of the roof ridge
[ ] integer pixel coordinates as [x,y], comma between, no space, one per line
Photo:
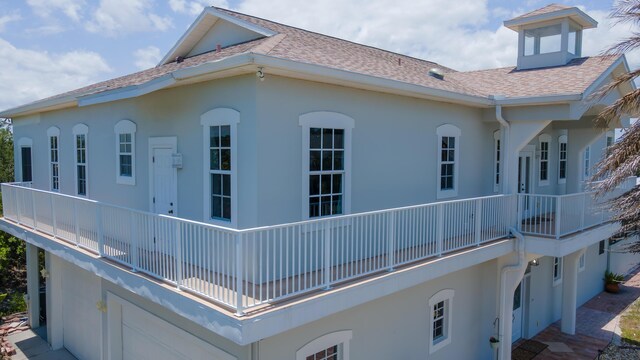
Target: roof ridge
[232,12]
[536,11]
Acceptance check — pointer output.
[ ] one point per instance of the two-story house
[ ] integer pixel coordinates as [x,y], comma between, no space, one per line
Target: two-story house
[270,193]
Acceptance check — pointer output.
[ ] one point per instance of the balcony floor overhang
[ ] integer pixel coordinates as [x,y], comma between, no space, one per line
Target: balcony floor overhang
[274,318]
[570,243]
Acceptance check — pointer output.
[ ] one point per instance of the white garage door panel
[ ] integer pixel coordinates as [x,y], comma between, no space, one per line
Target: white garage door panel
[81,319]
[147,337]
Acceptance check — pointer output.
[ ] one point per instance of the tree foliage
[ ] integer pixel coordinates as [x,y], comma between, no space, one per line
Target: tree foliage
[622,159]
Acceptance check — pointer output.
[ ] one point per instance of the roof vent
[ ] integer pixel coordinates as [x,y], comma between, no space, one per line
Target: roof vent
[436,73]
[179,59]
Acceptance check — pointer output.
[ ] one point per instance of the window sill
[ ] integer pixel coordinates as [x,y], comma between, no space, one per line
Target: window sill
[123,180]
[445,194]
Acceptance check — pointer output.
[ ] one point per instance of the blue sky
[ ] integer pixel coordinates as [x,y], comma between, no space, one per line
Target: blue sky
[50,46]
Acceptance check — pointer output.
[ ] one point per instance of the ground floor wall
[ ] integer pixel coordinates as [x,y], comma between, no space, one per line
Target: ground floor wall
[398,326]
[80,315]
[622,261]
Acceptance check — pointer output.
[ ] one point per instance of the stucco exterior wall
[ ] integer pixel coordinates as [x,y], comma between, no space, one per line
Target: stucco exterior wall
[395,145]
[397,326]
[172,112]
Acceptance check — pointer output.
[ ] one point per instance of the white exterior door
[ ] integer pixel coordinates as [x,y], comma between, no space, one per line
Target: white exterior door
[135,334]
[164,179]
[516,330]
[525,162]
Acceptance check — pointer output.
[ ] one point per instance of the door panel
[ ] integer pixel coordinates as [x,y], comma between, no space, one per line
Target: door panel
[516,330]
[164,181]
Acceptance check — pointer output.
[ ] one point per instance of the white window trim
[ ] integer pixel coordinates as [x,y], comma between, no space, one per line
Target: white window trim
[327,120]
[24,142]
[557,281]
[126,127]
[53,132]
[582,261]
[220,117]
[563,140]
[448,130]
[81,129]
[497,164]
[340,338]
[447,296]
[542,139]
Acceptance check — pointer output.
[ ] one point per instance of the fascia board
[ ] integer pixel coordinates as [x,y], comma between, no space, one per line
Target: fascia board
[127,92]
[371,81]
[38,106]
[213,66]
[209,11]
[538,100]
[585,20]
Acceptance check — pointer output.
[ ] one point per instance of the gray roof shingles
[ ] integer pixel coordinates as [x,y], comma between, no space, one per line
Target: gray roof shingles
[308,47]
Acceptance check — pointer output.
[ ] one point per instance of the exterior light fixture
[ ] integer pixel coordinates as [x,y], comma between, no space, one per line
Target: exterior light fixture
[534,262]
[260,74]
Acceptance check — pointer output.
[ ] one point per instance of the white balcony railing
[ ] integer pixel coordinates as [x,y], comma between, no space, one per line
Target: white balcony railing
[243,269]
[560,215]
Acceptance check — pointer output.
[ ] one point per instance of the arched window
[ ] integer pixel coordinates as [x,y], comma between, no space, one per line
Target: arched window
[440,319]
[53,134]
[330,346]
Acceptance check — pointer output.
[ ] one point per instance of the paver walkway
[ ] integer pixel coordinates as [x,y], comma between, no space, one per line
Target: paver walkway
[30,346]
[596,322]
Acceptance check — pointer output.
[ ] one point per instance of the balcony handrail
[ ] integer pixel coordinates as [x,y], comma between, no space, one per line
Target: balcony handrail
[245,268]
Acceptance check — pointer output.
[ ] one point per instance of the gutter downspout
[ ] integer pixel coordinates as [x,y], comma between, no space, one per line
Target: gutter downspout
[517,267]
[506,131]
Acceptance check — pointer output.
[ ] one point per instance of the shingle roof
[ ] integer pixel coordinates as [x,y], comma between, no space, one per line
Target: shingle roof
[312,48]
[544,10]
[572,78]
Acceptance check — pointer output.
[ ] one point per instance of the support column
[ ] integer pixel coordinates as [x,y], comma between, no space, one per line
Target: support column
[570,292]
[33,286]
[54,301]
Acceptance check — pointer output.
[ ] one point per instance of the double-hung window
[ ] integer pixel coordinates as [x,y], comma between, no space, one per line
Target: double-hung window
[125,131]
[80,134]
[219,130]
[545,141]
[53,133]
[326,171]
[562,159]
[326,163]
[448,154]
[557,270]
[440,306]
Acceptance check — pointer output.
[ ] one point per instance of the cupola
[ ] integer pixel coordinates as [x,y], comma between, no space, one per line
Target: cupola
[550,36]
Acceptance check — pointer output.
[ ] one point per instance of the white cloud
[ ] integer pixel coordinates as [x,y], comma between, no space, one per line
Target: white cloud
[117,17]
[148,57]
[195,7]
[5,19]
[71,8]
[45,30]
[29,75]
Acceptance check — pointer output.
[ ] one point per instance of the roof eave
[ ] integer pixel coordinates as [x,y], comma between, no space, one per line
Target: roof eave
[579,16]
[286,67]
[39,106]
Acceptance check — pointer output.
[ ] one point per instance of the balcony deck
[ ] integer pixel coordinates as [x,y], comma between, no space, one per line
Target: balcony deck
[251,269]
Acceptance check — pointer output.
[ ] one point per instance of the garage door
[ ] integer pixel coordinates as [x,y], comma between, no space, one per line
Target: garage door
[82,322]
[135,334]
